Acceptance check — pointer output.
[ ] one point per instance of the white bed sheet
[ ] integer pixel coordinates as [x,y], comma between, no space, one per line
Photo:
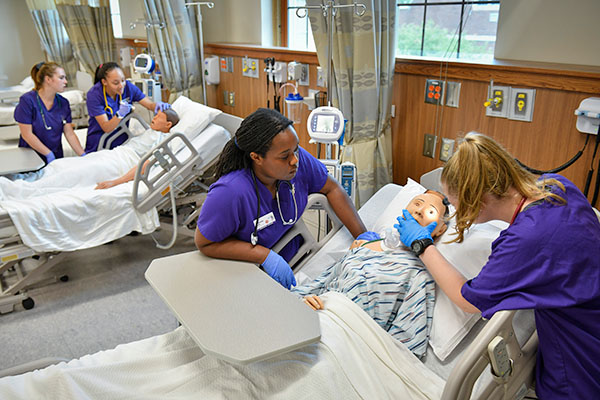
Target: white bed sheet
[7,110]
[355,359]
[63,212]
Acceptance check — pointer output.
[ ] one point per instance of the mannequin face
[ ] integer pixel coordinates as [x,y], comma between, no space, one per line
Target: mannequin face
[427,208]
[160,123]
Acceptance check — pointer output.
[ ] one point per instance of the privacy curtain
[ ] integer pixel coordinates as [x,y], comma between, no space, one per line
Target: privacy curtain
[53,36]
[363,76]
[89,26]
[173,42]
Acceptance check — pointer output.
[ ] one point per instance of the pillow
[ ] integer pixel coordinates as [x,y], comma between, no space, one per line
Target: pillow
[193,117]
[450,324]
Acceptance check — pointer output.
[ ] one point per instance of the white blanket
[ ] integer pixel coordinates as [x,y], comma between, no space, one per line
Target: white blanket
[61,211]
[355,359]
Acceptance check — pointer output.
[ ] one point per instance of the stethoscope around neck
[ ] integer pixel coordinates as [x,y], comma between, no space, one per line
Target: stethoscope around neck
[292,188]
[48,128]
[106,106]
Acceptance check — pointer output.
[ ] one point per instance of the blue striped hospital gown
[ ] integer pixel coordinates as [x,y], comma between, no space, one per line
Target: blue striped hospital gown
[394,288]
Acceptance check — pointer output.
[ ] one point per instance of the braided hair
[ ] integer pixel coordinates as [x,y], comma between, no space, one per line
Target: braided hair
[103,70]
[254,135]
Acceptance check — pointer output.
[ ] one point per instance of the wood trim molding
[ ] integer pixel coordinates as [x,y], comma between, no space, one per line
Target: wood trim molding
[280,53]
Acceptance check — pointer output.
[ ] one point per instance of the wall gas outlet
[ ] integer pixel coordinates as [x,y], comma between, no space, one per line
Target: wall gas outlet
[429,145]
[250,67]
[497,101]
[446,149]
[434,91]
[521,104]
[321,82]
[226,64]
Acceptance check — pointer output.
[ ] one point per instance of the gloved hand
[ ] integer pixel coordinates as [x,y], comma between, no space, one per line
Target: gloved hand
[279,269]
[410,230]
[124,109]
[83,154]
[50,157]
[160,106]
[368,235]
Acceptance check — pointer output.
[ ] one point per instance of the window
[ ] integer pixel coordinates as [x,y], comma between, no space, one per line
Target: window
[115,14]
[299,33]
[459,29]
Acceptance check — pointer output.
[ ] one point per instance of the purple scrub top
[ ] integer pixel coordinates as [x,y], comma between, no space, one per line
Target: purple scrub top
[231,204]
[29,111]
[549,260]
[96,106]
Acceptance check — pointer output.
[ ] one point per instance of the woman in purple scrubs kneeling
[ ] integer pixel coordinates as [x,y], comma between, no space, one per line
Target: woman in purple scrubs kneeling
[548,260]
[264,179]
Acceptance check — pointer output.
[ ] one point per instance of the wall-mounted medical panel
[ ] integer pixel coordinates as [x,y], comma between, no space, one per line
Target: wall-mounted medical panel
[434,91]
[497,103]
[521,104]
[250,67]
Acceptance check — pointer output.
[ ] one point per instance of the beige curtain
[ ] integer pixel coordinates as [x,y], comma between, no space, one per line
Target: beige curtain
[363,76]
[89,26]
[53,36]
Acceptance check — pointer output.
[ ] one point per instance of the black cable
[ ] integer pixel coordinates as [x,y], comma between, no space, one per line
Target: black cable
[597,186]
[557,169]
[588,179]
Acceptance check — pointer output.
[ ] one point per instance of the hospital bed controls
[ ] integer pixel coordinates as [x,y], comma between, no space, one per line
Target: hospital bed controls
[499,359]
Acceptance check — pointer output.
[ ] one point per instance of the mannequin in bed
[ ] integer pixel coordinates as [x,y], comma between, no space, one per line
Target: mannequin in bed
[163,121]
[388,283]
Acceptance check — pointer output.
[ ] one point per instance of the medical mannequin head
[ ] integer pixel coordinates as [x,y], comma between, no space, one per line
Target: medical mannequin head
[49,75]
[112,78]
[265,142]
[482,172]
[163,121]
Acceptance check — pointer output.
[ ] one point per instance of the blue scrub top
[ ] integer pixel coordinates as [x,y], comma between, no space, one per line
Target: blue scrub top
[230,206]
[548,260]
[97,106]
[29,111]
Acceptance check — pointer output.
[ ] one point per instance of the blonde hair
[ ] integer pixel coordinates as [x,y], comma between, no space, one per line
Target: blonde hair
[480,166]
[41,70]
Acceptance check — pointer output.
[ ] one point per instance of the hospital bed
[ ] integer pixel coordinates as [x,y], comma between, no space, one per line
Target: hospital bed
[35,234]
[355,358]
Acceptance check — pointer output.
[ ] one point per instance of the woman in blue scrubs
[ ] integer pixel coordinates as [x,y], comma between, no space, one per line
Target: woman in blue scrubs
[264,175]
[43,114]
[109,101]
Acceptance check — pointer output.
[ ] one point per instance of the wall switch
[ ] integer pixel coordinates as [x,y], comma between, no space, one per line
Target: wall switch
[446,149]
[497,103]
[429,145]
[434,91]
[452,94]
[250,67]
[521,104]
[321,77]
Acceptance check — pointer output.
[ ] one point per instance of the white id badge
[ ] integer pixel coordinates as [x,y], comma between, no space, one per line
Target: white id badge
[265,220]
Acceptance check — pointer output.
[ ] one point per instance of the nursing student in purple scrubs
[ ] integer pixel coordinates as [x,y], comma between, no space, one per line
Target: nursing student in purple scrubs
[548,260]
[264,176]
[44,115]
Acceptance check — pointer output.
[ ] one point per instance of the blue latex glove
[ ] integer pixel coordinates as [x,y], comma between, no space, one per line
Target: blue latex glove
[50,157]
[160,106]
[410,230]
[83,154]
[279,269]
[368,235]
[124,109]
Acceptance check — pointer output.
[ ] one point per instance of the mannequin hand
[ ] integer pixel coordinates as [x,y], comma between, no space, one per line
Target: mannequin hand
[410,230]
[124,109]
[314,302]
[50,157]
[368,235]
[160,106]
[279,269]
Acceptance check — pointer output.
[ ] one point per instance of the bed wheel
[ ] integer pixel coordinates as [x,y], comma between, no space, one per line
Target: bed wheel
[64,278]
[28,303]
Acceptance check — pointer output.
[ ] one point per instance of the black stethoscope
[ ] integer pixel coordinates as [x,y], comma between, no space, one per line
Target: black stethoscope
[106,106]
[48,128]
[292,188]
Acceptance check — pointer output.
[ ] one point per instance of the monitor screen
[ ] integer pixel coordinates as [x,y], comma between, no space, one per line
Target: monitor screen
[141,62]
[325,123]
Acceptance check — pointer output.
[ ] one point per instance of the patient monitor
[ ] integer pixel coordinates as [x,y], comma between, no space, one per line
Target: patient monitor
[150,88]
[325,124]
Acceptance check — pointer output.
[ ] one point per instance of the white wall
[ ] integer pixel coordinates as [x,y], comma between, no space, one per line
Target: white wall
[555,31]
[233,21]
[20,45]
[132,10]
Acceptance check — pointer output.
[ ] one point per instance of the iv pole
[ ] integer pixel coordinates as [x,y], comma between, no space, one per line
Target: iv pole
[329,10]
[198,5]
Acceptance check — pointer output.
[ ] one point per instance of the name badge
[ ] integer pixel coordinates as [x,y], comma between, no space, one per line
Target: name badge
[265,220]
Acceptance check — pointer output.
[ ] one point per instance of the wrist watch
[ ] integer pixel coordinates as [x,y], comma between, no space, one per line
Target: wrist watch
[419,246]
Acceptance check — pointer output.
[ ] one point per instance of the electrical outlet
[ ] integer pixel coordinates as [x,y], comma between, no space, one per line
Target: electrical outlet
[434,91]
[231,99]
[446,149]
[250,67]
[497,103]
[321,82]
[429,145]
[521,103]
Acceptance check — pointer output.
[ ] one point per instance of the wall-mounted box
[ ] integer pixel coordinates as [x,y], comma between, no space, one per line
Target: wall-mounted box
[434,91]
[521,104]
[497,103]
[452,94]
[226,64]
[429,145]
[250,67]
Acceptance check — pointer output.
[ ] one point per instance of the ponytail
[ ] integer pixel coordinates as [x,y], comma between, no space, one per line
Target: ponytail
[103,70]
[41,70]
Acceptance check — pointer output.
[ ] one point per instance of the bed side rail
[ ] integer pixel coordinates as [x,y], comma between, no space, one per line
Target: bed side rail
[172,170]
[310,245]
[122,129]
[475,359]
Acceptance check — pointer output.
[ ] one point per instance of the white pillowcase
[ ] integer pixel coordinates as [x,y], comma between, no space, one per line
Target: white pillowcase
[193,117]
[450,324]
